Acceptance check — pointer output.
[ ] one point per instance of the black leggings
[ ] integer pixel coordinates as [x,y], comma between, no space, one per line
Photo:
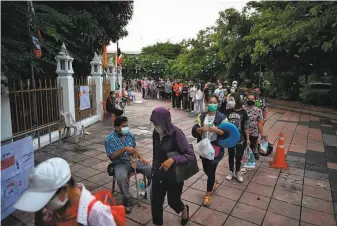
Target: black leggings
[236,152]
[209,170]
[253,143]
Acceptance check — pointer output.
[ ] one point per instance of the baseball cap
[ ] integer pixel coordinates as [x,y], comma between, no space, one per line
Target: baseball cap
[44,181]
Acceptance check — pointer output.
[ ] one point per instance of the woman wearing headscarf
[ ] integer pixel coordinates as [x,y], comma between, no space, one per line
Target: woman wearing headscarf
[167,138]
[207,127]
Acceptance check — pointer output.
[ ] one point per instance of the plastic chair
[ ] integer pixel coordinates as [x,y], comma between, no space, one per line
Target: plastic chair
[69,121]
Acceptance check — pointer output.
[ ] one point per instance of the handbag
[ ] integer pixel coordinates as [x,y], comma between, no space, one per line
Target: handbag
[183,171]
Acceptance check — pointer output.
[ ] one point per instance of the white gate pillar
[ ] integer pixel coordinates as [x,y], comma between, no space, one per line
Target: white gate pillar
[96,72]
[65,79]
[112,74]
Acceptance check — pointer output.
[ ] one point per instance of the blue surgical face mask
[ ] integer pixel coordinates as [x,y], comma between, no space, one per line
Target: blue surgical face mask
[125,130]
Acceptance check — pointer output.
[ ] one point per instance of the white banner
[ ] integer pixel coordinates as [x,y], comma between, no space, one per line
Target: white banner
[17,161]
[84,98]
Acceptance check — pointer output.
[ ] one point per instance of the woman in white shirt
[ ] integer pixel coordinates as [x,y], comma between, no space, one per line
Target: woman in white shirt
[192,91]
[199,95]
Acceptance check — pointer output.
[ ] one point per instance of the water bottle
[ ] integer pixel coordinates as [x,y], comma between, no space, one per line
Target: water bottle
[141,187]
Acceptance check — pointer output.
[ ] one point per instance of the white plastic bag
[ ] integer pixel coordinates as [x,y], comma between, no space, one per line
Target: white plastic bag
[248,159]
[205,149]
[149,192]
[264,147]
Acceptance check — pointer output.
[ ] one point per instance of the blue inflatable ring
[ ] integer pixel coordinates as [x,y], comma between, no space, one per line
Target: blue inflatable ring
[234,135]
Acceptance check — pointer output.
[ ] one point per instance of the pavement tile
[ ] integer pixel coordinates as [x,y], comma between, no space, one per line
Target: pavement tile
[92,153]
[331,153]
[317,193]
[260,189]
[316,175]
[286,196]
[131,223]
[200,185]
[318,168]
[315,146]
[233,221]
[317,204]
[328,129]
[289,177]
[206,216]
[89,185]
[332,165]
[169,219]
[101,166]
[273,219]
[90,162]
[317,183]
[305,224]
[235,184]
[193,208]
[285,209]
[101,178]
[317,218]
[252,199]
[267,180]
[221,204]
[11,221]
[249,213]
[289,186]
[330,140]
[333,178]
[193,195]
[294,171]
[228,192]
[141,214]
[86,173]
[24,217]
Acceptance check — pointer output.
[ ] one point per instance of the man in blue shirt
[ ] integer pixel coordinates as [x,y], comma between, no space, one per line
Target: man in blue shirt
[120,148]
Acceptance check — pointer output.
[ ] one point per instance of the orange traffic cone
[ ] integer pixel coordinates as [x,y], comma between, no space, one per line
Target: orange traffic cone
[279,159]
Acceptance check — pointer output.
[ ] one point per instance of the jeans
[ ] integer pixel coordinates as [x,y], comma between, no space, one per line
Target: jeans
[178,101]
[122,171]
[174,101]
[236,152]
[209,170]
[160,186]
[198,106]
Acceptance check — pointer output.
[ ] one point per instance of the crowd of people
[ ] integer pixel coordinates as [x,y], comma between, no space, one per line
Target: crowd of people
[59,200]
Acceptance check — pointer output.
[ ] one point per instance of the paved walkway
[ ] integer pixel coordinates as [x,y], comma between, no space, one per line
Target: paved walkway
[303,195]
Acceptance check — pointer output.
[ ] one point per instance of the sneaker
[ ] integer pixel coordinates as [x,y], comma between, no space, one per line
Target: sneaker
[239,177]
[230,175]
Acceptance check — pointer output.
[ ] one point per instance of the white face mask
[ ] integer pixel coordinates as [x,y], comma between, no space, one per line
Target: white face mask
[158,129]
[232,90]
[125,130]
[56,203]
[231,104]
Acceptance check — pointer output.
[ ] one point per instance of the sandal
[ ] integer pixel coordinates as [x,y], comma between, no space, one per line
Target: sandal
[185,221]
[207,201]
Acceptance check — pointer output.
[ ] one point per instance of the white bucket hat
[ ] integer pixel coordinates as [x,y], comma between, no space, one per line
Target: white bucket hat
[44,181]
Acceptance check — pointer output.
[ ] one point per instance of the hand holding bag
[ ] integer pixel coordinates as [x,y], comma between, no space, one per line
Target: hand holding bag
[205,149]
[183,171]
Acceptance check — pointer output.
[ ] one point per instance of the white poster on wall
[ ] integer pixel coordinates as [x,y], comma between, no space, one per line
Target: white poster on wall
[17,161]
[84,98]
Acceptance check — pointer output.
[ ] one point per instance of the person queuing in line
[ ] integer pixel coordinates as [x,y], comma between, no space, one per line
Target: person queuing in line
[207,92]
[255,124]
[260,102]
[185,98]
[177,90]
[207,127]
[58,200]
[192,92]
[161,89]
[120,147]
[239,117]
[153,90]
[168,89]
[174,97]
[199,96]
[167,138]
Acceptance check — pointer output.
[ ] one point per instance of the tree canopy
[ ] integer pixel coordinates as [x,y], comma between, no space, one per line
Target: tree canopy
[83,26]
[285,44]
